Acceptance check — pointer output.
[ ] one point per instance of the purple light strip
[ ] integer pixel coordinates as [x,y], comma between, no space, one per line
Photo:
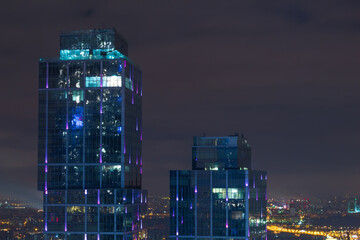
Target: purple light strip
[46,226]
[137,160]
[257,198]
[98,200]
[195,189]
[85,191]
[100,153]
[137,124]
[101,80]
[140,133]
[227,225]
[98,237]
[85,237]
[132,82]
[130,156]
[125,63]
[46,169]
[126,209]
[47,75]
[140,170]
[254,181]
[265,194]
[140,160]
[141,224]
[124,145]
[132,98]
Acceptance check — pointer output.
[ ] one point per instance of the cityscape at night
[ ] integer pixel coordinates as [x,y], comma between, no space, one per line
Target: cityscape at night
[180,120]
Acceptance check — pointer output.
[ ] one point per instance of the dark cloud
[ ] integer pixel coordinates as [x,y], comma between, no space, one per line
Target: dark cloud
[283,72]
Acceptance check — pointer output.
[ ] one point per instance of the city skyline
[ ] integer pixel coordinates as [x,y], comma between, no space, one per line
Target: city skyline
[287,79]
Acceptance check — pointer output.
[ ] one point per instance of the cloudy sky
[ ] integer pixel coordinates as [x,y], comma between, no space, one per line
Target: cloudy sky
[284,73]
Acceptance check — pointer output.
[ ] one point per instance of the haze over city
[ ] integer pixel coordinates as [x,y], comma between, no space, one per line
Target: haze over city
[284,73]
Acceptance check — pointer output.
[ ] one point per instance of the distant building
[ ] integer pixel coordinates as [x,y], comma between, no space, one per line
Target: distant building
[292,209]
[220,197]
[353,206]
[90,139]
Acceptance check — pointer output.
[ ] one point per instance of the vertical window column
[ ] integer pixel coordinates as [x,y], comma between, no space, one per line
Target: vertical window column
[101,102]
[84,121]
[211,203]
[247,197]
[195,203]
[67,144]
[123,145]
[177,202]
[227,203]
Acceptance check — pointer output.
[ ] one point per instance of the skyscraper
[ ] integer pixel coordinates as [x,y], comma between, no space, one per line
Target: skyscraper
[90,139]
[220,198]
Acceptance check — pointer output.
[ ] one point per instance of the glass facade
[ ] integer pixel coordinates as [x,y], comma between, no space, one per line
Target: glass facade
[90,139]
[214,153]
[219,201]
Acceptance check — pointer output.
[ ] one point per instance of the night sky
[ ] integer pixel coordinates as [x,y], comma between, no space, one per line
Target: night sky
[284,73]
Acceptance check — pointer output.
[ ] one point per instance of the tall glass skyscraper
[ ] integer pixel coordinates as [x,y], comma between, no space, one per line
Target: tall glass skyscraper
[90,139]
[220,198]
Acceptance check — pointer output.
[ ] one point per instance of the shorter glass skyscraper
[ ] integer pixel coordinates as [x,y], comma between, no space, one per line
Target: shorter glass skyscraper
[220,198]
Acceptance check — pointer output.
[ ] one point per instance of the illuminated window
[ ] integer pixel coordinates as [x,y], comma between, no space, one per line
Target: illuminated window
[92,81]
[74,54]
[233,193]
[77,96]
[112,81]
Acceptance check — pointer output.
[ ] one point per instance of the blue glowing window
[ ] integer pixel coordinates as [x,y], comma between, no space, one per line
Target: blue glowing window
[119,129]
[77,121]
